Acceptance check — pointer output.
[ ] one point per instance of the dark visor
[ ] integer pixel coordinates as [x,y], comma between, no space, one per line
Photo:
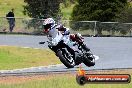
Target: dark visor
[47,26]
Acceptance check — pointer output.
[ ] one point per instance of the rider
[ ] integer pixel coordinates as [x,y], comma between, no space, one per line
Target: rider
[50,27]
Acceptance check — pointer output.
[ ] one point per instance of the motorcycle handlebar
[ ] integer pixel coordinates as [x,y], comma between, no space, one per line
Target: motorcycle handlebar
[41,42]
[45,42]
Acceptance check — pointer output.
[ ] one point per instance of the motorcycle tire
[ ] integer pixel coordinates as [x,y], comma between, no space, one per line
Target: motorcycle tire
[64,60]
[89,61]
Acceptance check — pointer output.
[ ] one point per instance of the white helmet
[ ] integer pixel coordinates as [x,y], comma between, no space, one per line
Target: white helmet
[49,21]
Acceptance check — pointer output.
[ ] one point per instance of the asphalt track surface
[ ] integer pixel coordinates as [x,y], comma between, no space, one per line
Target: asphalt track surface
[113,52]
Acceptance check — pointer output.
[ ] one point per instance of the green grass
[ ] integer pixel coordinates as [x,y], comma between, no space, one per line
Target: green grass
[16,57]
[7,5]
[62,81]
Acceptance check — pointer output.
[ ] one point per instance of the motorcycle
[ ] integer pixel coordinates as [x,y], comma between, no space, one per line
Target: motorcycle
[71,53]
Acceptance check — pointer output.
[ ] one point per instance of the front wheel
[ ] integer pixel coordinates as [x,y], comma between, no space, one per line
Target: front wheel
[89,60]
[66,58]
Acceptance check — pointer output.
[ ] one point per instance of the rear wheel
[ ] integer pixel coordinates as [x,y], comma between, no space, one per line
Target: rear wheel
[89,60]
[66,58]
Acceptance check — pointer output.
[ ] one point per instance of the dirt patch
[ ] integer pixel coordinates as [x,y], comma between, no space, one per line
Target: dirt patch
[22,79]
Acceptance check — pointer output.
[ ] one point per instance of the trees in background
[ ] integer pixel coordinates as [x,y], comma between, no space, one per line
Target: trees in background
[126,15]
[45,8]
[99,10]
[42,8]
[68,2]
[84,10]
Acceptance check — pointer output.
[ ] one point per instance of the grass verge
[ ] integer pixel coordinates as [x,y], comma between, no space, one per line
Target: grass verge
[16,57]
[58,81]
